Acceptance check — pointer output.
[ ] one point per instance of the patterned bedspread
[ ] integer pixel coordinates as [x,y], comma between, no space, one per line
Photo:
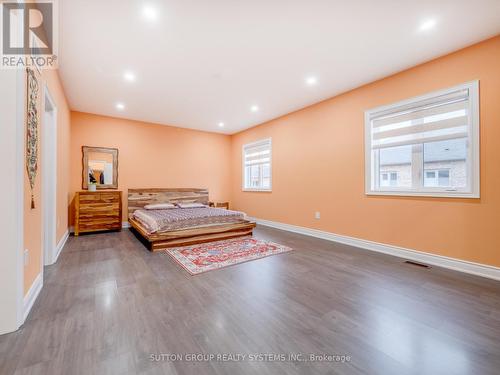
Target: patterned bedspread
[183,218]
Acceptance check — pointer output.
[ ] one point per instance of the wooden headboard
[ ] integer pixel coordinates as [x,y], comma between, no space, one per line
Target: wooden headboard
[138,198]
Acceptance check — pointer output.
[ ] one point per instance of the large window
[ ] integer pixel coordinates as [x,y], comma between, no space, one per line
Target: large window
[257,166]
[425,146]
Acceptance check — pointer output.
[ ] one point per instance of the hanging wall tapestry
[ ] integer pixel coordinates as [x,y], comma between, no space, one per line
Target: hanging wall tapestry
[32,132]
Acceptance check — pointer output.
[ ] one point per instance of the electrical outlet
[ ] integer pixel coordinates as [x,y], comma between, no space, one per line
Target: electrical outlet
[317,215]
[26,257]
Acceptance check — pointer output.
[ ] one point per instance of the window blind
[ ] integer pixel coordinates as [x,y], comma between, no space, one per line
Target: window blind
[257,153]
[437,119]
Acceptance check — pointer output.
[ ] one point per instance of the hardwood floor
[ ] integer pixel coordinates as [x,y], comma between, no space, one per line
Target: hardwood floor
[109,304]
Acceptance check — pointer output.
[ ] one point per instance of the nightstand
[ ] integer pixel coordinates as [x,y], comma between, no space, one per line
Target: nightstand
[224,205]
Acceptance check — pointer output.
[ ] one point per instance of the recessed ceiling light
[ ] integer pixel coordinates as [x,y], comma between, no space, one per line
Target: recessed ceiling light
[254,108]
[149,13]
[427,24]
[129,76]
[221,124]
[120,106]
[311,81]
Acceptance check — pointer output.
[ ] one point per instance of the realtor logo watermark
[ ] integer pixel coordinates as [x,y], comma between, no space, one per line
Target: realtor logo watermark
[29,34]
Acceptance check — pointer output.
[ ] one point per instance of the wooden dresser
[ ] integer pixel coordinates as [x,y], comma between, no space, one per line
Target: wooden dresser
[98,211]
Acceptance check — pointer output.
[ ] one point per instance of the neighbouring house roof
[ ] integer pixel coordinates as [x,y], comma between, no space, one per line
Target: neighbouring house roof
[450,150]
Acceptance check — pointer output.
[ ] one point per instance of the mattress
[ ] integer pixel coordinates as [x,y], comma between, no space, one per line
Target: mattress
[157,221]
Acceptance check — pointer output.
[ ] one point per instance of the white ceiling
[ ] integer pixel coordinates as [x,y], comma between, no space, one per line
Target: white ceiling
[202,62]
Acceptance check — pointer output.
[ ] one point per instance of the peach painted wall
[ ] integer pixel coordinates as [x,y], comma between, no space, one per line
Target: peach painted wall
[33,218]
[318,165]
[152,155]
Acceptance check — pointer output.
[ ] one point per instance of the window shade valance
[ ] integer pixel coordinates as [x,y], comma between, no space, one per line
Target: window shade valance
[258,153]
[445,117]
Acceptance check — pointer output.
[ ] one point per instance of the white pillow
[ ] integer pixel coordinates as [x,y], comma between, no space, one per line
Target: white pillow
[160,206]
[191,205]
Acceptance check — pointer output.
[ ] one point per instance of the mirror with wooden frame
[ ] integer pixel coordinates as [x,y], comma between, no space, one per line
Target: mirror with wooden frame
[100,167]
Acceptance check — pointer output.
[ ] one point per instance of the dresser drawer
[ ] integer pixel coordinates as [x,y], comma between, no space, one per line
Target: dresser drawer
[110,197]
[100,223]
[98,207]
[87,217]
[88,197]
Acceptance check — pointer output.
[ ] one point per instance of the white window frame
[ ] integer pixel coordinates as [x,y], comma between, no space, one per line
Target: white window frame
[243,186]
[473,159]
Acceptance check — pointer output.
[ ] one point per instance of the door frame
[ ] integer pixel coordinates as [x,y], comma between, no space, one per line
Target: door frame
[49,179]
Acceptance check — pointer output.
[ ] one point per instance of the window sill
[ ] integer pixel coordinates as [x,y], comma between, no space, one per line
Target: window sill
[429,194]
[258,190]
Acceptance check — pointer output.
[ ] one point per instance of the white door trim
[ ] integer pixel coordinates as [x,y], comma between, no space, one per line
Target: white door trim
[19,196]
[49,179]
[12,129]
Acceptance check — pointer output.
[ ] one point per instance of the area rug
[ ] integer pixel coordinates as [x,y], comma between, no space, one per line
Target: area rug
[204,257]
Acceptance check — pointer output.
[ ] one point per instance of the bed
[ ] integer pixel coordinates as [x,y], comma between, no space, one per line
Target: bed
[161,229]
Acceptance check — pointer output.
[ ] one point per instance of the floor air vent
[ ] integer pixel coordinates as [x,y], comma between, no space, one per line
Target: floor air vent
[417,264]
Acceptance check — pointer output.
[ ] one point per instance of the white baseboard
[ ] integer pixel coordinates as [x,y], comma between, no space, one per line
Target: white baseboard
[30,298]
[477,269]
[60,246]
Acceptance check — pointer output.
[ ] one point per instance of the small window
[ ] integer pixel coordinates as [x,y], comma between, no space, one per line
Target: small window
[425,146]
[389,178]
[439,177]
[257,166]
